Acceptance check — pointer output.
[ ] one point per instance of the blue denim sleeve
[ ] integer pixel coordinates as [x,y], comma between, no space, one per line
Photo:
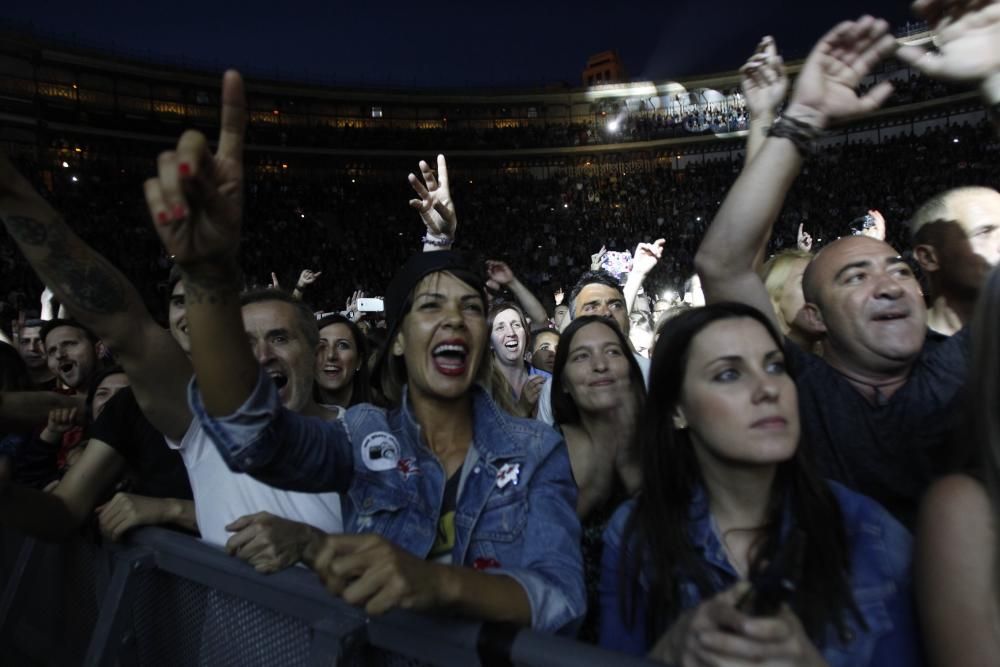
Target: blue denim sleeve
[551,568]
[902,646]
[614,632]
[279,447]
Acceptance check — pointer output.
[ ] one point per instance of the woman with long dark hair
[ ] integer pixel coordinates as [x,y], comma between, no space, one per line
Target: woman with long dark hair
[341,363]
[597,392]
[509,341]
[727,490]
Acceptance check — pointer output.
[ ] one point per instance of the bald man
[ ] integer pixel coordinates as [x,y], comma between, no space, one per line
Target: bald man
[878,408]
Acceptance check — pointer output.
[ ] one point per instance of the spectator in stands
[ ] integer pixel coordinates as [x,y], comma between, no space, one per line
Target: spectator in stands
[544,345]
[956,239]
[437,344]
[725,490]
[341,363]
[598,390]
[508,343]
[32,349]
[900,389]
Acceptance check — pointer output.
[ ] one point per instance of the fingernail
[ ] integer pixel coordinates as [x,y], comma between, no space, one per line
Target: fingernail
[179,212]
[184,169]
[162,217]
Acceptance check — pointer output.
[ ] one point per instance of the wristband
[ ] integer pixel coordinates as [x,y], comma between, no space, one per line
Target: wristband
[801,134]
[439,240]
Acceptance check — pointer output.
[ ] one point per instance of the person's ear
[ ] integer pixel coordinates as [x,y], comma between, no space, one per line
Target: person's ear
[811,319]
[926,256]
[398,345]
[680,421]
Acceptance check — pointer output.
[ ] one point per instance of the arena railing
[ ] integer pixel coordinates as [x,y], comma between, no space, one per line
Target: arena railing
[167,598]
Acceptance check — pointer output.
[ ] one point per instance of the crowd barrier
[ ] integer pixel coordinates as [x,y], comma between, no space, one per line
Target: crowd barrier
[164,598]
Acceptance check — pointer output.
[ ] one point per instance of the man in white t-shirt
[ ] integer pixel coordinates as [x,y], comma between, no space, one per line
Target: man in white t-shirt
[269,527]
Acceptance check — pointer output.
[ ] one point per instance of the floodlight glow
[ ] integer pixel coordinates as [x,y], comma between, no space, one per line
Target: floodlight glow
[613,125]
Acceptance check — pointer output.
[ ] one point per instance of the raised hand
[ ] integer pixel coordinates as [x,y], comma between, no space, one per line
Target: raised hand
[274,281]
[805,241]
[353,313]
[197,199]
[763,79]
[597,258]
[879,230]
[435,205]
[308,277]
[499,272]
[967,40]
[826,89]
[559,295]
[646,256]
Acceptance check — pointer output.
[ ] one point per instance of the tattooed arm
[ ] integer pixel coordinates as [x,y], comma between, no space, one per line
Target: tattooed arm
[100,297]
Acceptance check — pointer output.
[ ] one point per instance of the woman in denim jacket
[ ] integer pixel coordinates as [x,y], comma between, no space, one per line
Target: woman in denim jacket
[456,507]
[727,490]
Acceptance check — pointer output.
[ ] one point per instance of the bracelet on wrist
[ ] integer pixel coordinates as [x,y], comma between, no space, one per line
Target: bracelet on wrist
[801,134]
[439,240]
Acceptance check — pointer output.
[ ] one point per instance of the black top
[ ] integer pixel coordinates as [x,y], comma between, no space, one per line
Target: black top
[155,469]
[889,452]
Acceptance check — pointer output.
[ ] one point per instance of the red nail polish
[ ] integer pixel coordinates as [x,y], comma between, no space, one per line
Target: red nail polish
[179,212]
[162,217]
[184,168]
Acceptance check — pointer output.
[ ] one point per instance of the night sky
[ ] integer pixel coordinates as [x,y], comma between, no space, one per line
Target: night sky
[447,43]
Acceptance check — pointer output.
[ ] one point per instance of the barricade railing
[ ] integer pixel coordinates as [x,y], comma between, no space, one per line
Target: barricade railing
[167,598]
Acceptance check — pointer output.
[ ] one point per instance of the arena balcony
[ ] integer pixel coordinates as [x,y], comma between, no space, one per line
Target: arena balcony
[50,88]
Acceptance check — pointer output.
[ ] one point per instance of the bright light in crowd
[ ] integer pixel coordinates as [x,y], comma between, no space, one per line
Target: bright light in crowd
[284,165]
[302,215]
[74,179]
[955,140]
[613,125]
[565,205]
[65,165]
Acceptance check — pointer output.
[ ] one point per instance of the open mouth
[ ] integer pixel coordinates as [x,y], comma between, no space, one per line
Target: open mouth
[280,380]
[450,358]
[67,367]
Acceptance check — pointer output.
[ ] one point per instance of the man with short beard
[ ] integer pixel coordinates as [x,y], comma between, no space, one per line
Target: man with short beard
[72,353]
[32,350]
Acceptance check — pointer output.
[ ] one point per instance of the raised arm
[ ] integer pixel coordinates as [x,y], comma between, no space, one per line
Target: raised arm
[764,85]
[31,408]
[968,46]
[197,205]
[436,207]
[824,94]
[501,274]
[645,259]
[100,297]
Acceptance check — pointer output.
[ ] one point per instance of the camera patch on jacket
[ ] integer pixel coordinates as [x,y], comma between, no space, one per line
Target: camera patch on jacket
[380,451]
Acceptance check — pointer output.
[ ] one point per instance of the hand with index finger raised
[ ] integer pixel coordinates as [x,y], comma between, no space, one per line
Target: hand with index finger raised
[197,199]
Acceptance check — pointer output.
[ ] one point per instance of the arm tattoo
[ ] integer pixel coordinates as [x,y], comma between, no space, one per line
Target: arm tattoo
[218,287]
[82,279]
[26,230]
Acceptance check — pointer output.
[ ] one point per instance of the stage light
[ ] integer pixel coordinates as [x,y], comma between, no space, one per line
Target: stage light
[78,149]
[284,165]
[74,179]
[613,126]
[955,140]
[565,205]
[65,165]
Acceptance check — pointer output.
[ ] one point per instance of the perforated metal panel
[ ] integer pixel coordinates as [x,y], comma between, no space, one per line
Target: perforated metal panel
[180,622]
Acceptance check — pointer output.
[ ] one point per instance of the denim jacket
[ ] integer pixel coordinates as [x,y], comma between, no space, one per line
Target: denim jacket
[516,507]
[880,555]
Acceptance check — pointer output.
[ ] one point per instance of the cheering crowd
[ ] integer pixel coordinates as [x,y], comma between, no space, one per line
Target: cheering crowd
[791,460]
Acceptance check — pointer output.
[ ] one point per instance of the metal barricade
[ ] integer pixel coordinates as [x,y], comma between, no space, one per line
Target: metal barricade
[167,599]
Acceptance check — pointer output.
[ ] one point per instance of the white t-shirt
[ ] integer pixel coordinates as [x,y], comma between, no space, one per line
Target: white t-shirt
[545,398]
[221,496]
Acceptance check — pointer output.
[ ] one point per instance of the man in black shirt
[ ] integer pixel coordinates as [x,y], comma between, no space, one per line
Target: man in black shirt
[878,408]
